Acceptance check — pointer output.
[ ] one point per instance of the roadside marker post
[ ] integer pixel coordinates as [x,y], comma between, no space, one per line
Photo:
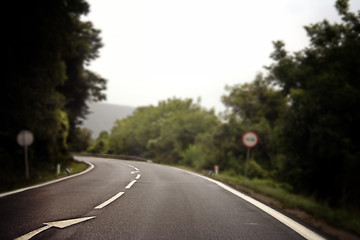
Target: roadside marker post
[216,168]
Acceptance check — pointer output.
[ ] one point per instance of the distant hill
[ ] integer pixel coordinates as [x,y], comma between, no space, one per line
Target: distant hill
[103,115]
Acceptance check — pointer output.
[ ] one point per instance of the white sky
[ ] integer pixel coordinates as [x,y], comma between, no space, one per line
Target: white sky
[159,49]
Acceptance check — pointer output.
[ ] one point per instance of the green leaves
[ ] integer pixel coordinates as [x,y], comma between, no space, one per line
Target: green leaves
[254,101]
[307,123]
[163,133]
[322,83]
[258,107]
[46,85]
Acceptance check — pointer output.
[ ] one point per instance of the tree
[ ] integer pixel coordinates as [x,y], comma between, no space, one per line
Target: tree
[81,47]
[101,144]
[45,83]
[163,132]
[82,140]
[320,129]
[259,107]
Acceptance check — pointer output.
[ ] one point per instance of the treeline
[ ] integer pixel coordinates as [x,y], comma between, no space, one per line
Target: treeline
[305,111]
[45,83]
[163,133]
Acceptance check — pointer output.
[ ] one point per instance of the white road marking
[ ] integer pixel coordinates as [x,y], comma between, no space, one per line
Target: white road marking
[109,201]
[33,233]
[130,184]
[132,172]
[50,182]
[300,229]
[130,166]
[67,223]
[57,224]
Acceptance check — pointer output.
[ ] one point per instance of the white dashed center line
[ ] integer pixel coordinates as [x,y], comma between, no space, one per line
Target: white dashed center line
[130,184]
[66,223]
[109,201]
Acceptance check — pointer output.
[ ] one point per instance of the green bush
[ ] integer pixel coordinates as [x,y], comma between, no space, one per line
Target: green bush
[195,156]
[255,170]
[190,156]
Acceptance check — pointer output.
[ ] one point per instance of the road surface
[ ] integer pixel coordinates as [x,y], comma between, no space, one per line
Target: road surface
[137,200]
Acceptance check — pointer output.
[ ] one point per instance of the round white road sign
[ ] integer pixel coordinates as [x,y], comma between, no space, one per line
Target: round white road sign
[250,139]
[25,138]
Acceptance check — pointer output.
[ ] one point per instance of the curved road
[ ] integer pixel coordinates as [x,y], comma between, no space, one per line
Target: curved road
[137,200]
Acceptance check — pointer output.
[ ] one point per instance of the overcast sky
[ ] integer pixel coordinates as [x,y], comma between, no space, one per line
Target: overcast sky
[159,49]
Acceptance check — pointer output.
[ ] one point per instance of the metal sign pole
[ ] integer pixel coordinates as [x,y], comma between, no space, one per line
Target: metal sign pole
[247,161]
[25,138]
[26,163]
[26,158]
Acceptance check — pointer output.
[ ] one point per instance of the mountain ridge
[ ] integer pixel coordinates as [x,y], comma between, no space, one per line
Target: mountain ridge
[102,116]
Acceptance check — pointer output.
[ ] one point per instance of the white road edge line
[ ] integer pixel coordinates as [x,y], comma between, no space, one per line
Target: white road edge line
[130,184]
[297,227]
[50,182]
[109,201]
[138,176]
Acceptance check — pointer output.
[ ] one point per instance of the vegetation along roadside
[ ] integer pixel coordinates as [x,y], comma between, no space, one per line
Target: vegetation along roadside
[335,222]
[47,174]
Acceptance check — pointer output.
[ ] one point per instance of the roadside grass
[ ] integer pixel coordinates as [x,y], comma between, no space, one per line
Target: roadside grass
[47,174]
[280,196]
[76,167]
[343,219]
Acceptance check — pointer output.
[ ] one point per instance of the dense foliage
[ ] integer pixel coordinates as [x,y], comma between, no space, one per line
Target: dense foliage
[45,84]
[320,129]
[305,111]
[257,107]
[164,133]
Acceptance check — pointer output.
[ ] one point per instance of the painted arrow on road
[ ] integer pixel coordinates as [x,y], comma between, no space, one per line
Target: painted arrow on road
[57,224]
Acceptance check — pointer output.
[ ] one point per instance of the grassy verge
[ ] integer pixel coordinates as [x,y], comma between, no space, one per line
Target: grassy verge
[76,167]
[339,223]
[44,176]
[346,220]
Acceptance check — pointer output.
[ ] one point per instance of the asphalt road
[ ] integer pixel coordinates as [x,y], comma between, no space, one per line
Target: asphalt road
[136,200]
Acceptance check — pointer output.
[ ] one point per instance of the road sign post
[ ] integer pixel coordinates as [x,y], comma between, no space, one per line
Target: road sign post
[25,138]
[249,139]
